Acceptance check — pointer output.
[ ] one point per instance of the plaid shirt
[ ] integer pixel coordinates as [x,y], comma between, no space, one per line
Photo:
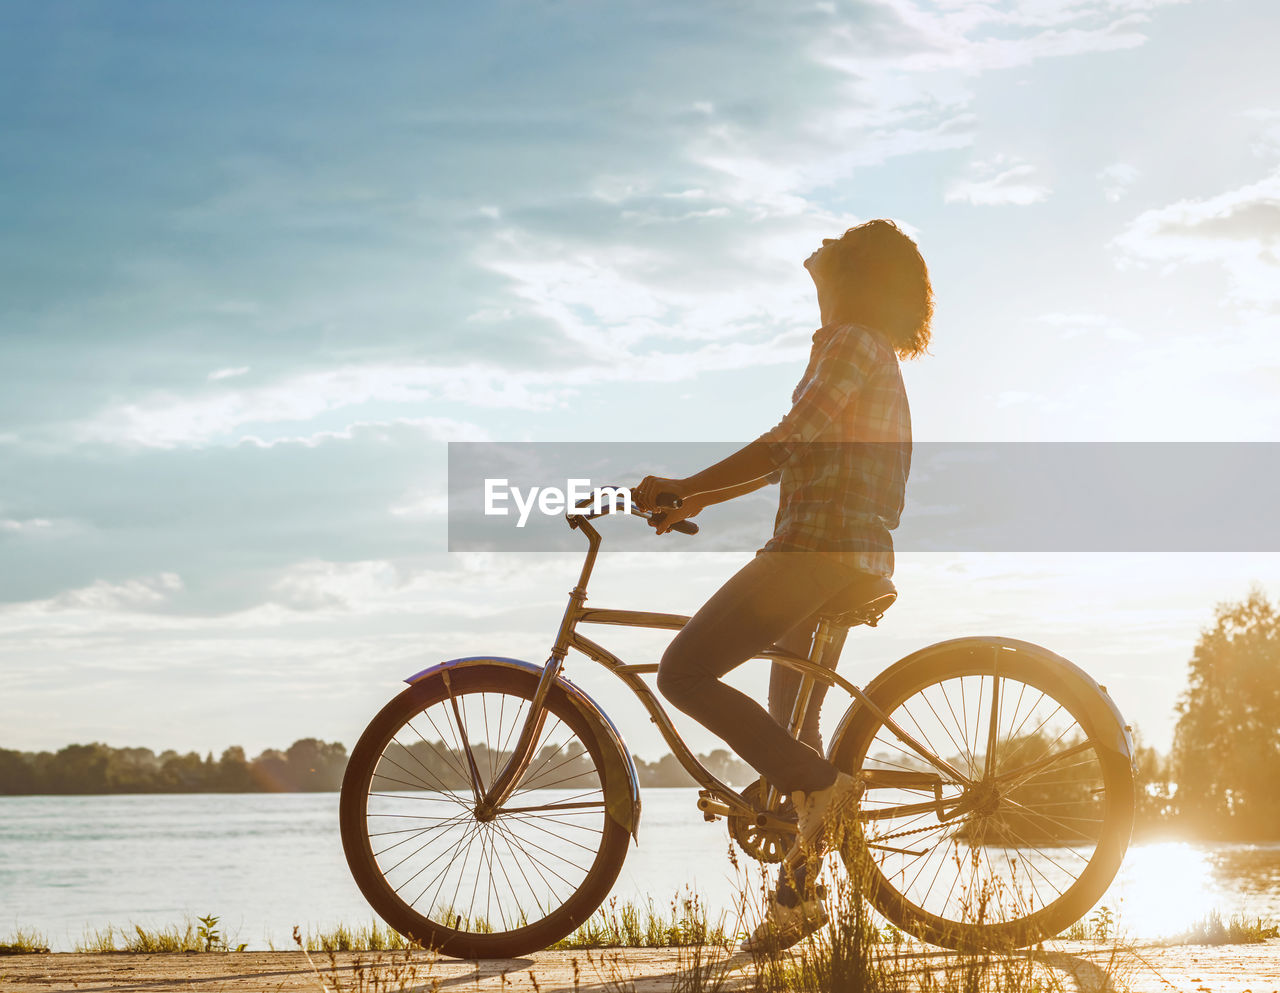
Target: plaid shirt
[843,451]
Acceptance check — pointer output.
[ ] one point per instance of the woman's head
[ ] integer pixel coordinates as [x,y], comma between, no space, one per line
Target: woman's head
[873,274]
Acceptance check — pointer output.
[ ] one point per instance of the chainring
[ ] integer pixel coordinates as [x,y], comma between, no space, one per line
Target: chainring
[761,843]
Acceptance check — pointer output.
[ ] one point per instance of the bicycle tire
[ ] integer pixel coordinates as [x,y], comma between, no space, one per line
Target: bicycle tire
[529,861]
[1067,835]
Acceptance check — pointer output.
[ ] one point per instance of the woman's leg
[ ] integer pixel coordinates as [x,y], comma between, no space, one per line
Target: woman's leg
[761,603]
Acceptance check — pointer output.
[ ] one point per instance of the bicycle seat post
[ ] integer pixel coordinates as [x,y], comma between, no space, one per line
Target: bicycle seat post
[828,640]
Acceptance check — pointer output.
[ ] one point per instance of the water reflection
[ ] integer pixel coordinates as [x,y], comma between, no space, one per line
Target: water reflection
[1164,888]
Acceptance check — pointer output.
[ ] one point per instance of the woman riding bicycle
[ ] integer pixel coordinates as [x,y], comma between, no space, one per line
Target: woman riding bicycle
[841,455]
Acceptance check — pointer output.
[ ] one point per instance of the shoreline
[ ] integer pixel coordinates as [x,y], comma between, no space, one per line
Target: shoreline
[1085,966]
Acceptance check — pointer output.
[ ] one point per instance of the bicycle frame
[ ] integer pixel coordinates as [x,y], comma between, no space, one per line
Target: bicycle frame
[817,667]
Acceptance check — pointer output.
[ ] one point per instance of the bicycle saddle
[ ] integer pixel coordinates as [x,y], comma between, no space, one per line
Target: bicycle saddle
[861,602]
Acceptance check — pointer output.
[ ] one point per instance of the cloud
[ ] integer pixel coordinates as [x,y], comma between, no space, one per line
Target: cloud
[229,373]
[14,526]
[1238,230]
[1116,180]
[996,182]
[623,223]
[1079,325]
[901,85]
[743,181]
[168,420]
[144,593]
[334,585]
[976,35]
[1267,143]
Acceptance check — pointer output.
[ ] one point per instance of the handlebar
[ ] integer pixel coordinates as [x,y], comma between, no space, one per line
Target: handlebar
[622,497]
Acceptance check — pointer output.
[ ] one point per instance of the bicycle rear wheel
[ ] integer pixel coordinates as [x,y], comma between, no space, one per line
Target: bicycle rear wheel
[1032,841]
[473,887]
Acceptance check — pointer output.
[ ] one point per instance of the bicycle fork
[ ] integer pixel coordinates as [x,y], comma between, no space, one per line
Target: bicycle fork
[490,801]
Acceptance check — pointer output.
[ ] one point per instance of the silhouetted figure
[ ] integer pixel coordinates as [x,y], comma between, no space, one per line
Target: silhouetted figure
[841,456]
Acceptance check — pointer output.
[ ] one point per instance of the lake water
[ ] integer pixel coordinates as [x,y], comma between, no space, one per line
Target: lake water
[265,862]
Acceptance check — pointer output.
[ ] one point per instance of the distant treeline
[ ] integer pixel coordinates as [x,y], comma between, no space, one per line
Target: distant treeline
[308,765]
[305,766]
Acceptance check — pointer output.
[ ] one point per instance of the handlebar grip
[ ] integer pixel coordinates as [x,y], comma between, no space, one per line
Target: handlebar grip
[671,501]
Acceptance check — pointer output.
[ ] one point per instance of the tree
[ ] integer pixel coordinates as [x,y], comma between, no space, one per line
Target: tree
[1226,749]
[1156,806]
[78,769]
[234,774]
[316,765]
[16,775]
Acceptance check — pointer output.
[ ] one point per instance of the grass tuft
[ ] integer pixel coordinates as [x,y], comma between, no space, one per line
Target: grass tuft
[1102,925]
[1235,930]
[24,942]
[372,937]
[628,925]
[198,935]
[405,969]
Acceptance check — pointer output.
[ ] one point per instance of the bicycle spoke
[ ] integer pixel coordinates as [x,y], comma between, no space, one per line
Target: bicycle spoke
[533,890]
[419,831]
[449,755]
[417,851]
[960,749]
[522,842]
[532,823]
[442,788]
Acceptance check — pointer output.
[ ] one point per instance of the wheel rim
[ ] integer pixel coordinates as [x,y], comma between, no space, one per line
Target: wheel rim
[1032,830]
[494,872]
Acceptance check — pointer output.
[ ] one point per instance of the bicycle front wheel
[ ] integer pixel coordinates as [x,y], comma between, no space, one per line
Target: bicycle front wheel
[495,886]
[1032,837]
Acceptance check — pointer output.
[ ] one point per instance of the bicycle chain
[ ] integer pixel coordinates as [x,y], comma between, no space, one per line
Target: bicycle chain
[903,834]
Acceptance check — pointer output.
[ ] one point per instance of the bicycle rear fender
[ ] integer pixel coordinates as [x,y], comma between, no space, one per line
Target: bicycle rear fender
[1074,686]
[618,763]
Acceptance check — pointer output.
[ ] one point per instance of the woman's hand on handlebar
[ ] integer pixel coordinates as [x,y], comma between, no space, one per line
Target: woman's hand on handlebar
[664,516]
[646,494]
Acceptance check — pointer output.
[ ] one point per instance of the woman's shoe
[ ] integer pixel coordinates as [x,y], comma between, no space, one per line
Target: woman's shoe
[824,815]
[785,926]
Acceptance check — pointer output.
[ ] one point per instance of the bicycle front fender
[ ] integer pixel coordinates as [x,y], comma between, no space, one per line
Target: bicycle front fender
[618,764]
[1071,684]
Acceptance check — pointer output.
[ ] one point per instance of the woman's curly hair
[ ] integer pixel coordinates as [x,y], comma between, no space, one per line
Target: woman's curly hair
[878,278]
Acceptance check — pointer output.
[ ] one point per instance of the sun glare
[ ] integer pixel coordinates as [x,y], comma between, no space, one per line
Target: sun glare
[1163,889]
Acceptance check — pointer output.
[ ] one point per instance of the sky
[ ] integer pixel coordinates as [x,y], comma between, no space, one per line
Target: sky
[259,264]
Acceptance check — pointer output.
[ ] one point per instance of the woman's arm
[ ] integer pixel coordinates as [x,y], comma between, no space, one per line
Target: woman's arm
[745,471]
[745,466]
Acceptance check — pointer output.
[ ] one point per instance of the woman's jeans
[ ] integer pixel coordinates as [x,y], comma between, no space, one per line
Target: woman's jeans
[773,599]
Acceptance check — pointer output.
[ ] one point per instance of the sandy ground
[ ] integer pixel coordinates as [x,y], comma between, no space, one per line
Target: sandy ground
[1070,967]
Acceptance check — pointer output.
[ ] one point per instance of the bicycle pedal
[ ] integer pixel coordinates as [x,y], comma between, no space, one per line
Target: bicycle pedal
[711,807]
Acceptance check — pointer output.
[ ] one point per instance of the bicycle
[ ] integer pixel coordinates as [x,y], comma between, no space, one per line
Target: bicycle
[485,811]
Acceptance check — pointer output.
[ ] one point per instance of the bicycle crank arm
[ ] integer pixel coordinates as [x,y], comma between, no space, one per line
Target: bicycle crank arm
[894,779]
